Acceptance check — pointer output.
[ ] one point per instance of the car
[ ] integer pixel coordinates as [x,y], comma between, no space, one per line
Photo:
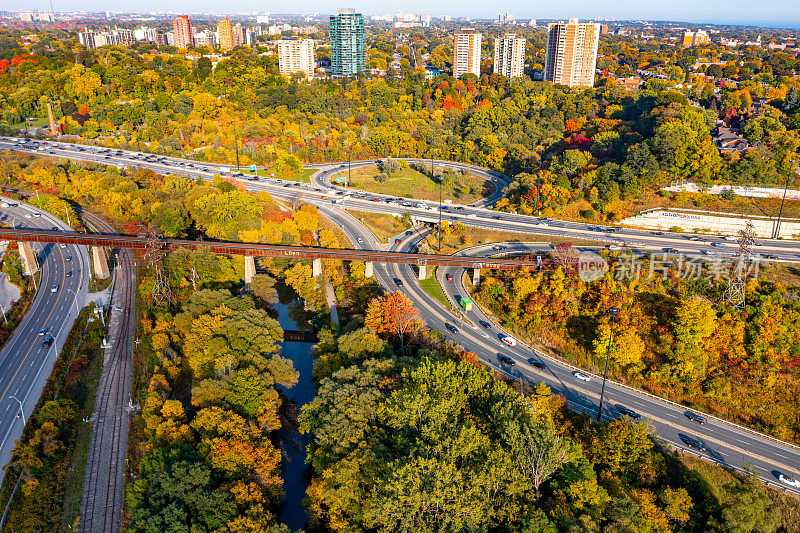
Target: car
[398,241]
[448,277]
[485,324]
[511,341]
[731,238]
[359,240]
[409,232]
[68,258]
[62,245]
[581,376]
[613,247]
[47,342]
[633,415]
[68,274]
[54,228]
[506,360]
[770,256]
[700,419]
[28,216]
[43,331]
[669,250]
[536,363]
[656,233]
[694,443]
[497,217]
[791,481]
[717,245]
[54,288]
[451,327]
[398,282]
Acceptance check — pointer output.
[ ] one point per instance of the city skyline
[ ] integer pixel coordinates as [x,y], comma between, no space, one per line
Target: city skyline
[771,13]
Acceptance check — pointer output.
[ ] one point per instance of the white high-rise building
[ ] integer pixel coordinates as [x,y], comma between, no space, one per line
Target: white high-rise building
[296,55]
[467,53]
[509,55]
[262,19]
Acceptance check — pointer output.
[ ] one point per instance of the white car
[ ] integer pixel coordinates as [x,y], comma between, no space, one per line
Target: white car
[581,376]
[511,341]
[28,216]
[37,215]
[613,247]
[5,204]
[359,240]
[62,245]
[789,481]
[54,288]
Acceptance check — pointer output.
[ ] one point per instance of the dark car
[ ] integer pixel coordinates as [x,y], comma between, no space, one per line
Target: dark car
[448,277]
[497,217]
[536,363]
[656,233]
[398,241]
[506,360]
[398,282]
[68,274]
[630,413]
[485,324]
[670,250]
[47,342]
[696,418]
[694,443]
[451,327]
[409,232]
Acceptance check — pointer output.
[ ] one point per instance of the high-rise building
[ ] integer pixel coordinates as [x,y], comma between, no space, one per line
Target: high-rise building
[262,19]
[509,55]
[467,53]
[182,28]
[348,56]
[96,39]
[205,38]
[225,31]
[296,55]
[571,53]
[695,38]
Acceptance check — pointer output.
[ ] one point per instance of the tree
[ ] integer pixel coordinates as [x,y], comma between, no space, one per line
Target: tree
[538,450]
[395,315]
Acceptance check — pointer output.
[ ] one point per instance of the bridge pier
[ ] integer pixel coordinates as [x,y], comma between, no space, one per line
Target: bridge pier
[100,262]
[369,270]
[423,272]
[249,269]
[316,267]
[476,277]
[28,257]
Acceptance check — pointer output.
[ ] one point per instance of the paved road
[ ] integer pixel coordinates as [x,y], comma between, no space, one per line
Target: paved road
[25,364]
[101,508]
[723,442]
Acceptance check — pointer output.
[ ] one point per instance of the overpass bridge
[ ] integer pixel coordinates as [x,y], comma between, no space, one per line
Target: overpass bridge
[252,250]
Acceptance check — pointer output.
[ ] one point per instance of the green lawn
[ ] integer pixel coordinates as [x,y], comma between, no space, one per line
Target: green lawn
[432,287]
[383,226]
[409,183]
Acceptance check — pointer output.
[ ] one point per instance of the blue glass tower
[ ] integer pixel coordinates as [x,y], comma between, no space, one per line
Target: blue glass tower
[348,55]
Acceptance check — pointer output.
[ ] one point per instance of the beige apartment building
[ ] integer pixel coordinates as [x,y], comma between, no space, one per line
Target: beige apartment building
[467,53]
[571,53]
[225,31]
[509,55]
[296,55]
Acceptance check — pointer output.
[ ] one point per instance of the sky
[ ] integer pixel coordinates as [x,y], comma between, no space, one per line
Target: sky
[783,13]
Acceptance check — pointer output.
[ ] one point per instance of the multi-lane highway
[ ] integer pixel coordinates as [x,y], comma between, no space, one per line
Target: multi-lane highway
[27,358]
[719,441]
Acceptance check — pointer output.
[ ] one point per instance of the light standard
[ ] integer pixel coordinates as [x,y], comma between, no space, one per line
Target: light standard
[539,149]
[20,409]
[614,312]
[75,295]
[777,231]
[236,145]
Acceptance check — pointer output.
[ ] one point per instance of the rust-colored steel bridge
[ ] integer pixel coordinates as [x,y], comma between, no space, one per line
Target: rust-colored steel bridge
[261,250]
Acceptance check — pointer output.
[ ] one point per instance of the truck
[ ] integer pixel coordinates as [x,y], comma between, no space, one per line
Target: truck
[466,303]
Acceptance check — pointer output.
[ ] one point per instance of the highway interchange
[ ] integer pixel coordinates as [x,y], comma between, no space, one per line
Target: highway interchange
[25,363]
[724,443]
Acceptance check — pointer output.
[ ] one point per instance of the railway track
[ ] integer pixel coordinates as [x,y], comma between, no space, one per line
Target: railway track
[101,509]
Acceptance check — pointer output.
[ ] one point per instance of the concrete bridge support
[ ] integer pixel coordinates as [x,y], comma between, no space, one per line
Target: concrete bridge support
[476,277]
[28,257]
[369,270]
[100,262]
[423,272]
[249,269]
[316,267]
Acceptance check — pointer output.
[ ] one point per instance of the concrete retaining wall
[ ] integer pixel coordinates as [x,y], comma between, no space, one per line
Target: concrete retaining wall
[691,222]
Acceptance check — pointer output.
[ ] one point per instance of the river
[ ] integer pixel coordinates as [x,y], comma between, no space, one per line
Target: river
[295,470]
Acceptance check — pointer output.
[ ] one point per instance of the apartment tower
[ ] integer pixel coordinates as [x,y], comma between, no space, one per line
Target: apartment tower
[509,55]
[348,56]
[296,55]
[467,53]
[571,53]
[225,31]
[182,29]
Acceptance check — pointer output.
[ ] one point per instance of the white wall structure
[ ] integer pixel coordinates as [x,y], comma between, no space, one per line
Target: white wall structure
[714,222]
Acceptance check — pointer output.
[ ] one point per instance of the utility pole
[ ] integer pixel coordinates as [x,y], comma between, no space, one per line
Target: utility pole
[3,310]
[21,411]
[614,312]
[236,145]
[67,212]
[348,166]
[539,149]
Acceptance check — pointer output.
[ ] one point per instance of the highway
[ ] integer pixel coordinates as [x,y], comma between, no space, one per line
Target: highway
[25,364]
[723,443]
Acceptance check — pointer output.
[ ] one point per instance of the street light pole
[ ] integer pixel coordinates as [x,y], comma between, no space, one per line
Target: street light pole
[614,312]
[236,145]
[348,166]
[21,411]
[777,231]
[540,149]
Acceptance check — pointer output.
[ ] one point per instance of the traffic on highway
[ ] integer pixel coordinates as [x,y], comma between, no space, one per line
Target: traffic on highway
[715,440]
